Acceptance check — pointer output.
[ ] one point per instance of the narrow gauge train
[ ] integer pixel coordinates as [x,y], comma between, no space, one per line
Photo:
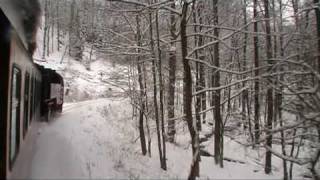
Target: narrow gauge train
[27,91]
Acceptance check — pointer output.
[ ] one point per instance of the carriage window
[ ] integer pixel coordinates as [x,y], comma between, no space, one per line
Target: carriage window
[34,97]
[15,114]
[26,104]
[31,99]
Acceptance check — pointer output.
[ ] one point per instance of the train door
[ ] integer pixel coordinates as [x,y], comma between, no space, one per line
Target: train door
[31,99]
[15,115]
[26,103]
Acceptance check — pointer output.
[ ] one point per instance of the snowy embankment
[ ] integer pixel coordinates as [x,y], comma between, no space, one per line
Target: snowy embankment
[104,79]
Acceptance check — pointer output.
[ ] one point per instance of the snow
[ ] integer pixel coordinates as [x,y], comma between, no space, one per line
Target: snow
[96,139]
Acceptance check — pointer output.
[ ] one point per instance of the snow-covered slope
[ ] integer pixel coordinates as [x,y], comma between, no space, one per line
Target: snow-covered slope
[83,80]
[102,80]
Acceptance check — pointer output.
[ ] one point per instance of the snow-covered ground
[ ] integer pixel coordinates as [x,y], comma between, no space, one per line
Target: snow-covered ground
[96,139]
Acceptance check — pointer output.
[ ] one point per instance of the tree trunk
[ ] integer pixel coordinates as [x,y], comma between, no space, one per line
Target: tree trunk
[279,97]
[45,29]
[58,25]
[76,44]
[187,95]
[49,27]
[202,69]
[172,77]
[155,91]
[202,74]
[197,44]
[218,139]
[52,29]
[203,86]
[245,100]
[295,6]
[164,158]
[72,9]
[48,40]
[141,86]
[317,12]
[314,163]
[256,74]
[269,89]
[146,107]
[93,3]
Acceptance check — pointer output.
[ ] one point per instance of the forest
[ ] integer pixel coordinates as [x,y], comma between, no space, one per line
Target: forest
[248,70]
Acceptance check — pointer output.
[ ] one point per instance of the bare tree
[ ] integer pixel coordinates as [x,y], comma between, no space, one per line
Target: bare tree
[218,130]
[45,29]
[269,89]
[164,159]
[172,76]
[141,86]
[187,94]
[256,73]
[317,12]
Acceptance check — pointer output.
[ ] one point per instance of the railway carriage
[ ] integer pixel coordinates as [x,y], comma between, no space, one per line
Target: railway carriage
[22,96]
[52,90]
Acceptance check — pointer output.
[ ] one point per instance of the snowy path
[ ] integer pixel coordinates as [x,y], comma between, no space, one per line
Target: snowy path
[55,158]
[85,142]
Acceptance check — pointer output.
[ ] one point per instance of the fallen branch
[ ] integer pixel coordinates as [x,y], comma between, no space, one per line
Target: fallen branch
[207,154]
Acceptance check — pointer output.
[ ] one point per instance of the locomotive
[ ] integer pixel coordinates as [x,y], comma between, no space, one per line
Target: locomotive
[28,91]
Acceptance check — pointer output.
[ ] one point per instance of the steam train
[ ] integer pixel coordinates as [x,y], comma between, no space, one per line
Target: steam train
[28,91]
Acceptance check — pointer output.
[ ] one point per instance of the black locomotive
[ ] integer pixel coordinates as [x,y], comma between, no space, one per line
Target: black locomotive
[28,91]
